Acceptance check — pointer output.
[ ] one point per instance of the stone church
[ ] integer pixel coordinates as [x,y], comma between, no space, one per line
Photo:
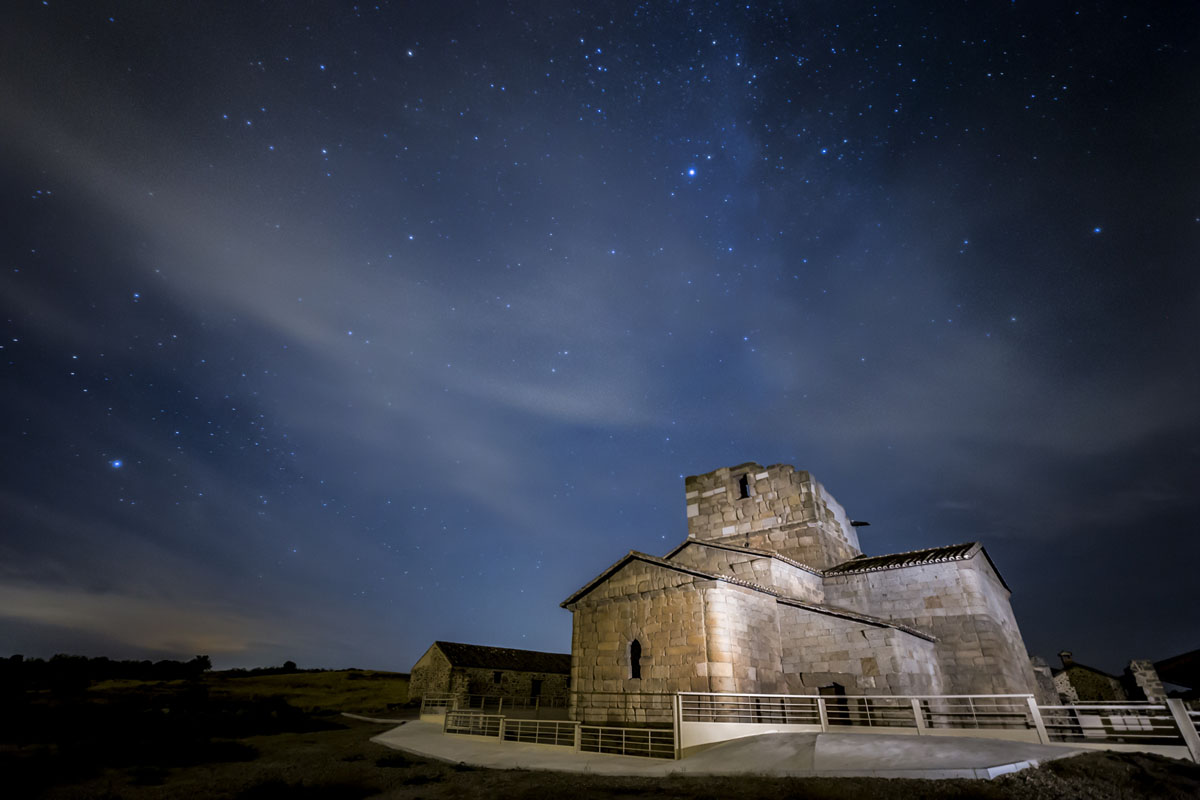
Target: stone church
[770,593]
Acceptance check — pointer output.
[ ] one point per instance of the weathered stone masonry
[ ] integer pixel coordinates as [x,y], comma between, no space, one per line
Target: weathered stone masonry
[771,593]
[463,670]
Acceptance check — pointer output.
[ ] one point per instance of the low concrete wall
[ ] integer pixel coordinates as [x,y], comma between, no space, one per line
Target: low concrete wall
[699,734]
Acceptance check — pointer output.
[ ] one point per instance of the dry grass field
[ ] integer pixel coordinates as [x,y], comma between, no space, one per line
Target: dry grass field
[279,736]
[355,691]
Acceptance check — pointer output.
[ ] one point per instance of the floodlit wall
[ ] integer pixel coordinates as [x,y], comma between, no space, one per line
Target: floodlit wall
[742,637]
[962,604]
[659,608]
[821,649]
[772,573]
[774,508]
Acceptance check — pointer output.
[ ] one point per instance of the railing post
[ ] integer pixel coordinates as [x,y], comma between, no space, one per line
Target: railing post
[1179,713]
[502,721]
[677,702]
[1035,714]
[918,715]
[578,737]
[823,714]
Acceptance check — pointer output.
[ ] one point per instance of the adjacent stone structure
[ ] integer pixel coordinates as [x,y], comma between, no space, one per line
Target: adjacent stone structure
[771,593]
[462,670]
[1077,682]
[1142,682]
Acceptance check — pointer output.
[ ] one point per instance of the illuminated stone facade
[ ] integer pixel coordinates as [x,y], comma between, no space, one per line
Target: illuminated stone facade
[771,593]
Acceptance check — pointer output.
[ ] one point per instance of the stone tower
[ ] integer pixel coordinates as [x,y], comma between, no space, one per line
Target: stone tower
[776,508]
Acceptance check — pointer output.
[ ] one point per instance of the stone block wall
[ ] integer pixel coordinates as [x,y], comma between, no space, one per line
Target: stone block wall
[517,685]
[663,610]
[1044,689]
[963,605]
[776,508]
[1082,684]
[821,649]
[762,570]
[433,674]
[1143,683]
[430,675]
[743,652]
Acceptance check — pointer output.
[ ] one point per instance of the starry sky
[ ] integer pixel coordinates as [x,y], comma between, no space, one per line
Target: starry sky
[331,329]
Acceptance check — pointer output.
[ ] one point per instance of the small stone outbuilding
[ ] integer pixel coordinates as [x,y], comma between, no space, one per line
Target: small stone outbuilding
[1079,683]
[770,593]
[466,670]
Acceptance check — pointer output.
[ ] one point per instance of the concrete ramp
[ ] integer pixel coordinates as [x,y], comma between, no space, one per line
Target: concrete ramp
[780,754]
[768,753]
[873,755]
[890,755]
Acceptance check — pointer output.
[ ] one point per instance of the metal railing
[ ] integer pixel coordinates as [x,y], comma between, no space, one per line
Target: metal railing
[438,703]
[872,711]
[1194,716]
[1140,723]
[484,702]
[644,742]
[976,712]
[636,708]
[470,723]
[539,731]
[769,708]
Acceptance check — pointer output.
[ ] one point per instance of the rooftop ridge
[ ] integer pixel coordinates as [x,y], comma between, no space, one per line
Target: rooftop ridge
[742,549]
[836,611]
[910,558]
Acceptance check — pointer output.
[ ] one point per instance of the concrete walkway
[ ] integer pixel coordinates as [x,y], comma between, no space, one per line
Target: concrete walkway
[777,754]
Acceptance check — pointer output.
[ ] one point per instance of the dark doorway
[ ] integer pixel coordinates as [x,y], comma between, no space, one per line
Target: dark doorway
[837,711]
[635,660]
[535,687]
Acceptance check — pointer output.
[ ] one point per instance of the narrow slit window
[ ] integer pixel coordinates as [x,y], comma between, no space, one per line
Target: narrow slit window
[744,485]
[496,677]
[635,660]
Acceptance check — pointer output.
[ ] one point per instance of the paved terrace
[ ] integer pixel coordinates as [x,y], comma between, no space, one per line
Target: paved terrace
[774,754]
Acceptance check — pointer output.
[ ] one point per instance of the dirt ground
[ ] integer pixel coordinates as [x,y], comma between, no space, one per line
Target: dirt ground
[342,763]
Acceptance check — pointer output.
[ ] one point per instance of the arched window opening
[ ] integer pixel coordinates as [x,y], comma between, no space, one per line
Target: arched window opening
[635,660]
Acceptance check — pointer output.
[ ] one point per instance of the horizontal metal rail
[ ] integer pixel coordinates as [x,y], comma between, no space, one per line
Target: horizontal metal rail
[865,696]
[876,711]
[749,708]
[643,742]
[1119,723]
[469,723]
[538,731]
[438,703]
[625,707]
[502,702]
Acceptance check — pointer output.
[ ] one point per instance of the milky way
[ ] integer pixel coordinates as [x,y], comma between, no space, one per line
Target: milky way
[329,330]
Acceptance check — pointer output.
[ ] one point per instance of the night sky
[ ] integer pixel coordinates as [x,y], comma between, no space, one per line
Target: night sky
[330,330]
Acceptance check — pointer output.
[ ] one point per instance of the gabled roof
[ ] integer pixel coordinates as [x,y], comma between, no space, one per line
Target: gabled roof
[634,555]
[504,658]
[835,611]
[914,558]
[739,549]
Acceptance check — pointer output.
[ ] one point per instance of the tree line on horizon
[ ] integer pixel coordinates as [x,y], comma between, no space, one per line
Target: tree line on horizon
[63,670]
